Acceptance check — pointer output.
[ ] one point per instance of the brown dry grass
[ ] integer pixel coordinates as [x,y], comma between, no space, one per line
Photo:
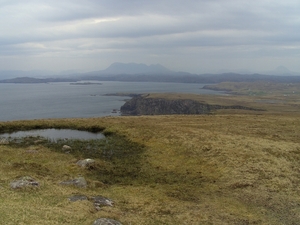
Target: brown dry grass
[216,169]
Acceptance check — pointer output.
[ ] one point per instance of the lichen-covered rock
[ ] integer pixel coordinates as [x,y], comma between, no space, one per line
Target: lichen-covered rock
[66,148]
[101,201]
[86,163]
[106,221]
[4,141]
[78,182]
[24,182]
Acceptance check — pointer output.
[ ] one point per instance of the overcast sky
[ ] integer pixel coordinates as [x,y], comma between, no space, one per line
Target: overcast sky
[184,35]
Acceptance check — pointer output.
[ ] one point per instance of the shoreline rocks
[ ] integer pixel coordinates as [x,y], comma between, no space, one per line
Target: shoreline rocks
[143,105]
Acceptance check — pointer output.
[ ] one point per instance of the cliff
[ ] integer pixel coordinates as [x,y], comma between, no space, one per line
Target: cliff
[142,105]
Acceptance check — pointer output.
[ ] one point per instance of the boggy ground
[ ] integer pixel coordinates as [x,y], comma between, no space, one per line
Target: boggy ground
[205,169]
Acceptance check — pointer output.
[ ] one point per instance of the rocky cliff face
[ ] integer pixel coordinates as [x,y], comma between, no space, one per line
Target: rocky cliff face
[157,106]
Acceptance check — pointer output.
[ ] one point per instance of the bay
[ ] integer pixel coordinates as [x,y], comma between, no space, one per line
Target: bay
[64,100]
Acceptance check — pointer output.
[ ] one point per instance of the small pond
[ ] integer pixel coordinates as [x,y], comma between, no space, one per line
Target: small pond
[55,134]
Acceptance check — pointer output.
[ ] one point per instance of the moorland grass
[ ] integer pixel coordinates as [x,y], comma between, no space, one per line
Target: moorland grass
[205,169]
[230,167]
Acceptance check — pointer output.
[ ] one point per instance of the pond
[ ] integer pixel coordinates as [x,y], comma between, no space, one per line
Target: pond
[55,134]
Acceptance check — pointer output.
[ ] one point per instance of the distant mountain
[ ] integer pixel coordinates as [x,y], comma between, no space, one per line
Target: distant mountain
[282,71]
[134,68]
[154,73]
[7,74]
[31,80]
[278,71]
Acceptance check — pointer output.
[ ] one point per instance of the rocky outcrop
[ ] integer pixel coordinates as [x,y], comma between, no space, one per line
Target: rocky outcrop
[24,182]
[102,201]
[66,148]
[78,182]
[98,201]
[158,106]
[4,141]
[86,163]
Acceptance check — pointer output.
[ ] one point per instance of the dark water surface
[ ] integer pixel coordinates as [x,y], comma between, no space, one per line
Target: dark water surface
[63,100]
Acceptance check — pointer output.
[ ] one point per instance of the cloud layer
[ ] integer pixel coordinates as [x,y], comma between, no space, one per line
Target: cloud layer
[196,36]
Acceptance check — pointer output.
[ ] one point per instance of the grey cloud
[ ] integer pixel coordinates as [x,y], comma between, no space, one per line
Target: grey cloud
[85,28]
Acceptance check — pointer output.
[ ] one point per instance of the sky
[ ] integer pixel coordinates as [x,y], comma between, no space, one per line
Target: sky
[197,36]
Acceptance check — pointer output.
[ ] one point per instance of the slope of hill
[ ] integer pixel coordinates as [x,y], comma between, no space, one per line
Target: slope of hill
[197,169]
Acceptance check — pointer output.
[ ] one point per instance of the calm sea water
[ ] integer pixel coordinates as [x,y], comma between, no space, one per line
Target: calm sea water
[63,100]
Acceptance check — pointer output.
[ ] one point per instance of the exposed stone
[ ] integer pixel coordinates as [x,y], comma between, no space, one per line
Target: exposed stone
[78,182]
[4,141]
[101,201]
[24,182]
[75,198]
[97,200]
[143,105]
[106,221]
[38,141]
[66,148]
[86,163]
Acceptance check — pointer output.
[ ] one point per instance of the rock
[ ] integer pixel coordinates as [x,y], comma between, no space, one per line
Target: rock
[24,182]
[86,163]
[78,182]
[75,198]
[66,148]
[101,201]
[4,141]
[97,200]
[145,105]
[38,141]
[105,221]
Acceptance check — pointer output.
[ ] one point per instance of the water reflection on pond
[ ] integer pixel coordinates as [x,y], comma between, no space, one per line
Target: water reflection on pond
[55,134]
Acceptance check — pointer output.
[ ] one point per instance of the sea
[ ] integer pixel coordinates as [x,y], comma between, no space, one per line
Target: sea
[86,100]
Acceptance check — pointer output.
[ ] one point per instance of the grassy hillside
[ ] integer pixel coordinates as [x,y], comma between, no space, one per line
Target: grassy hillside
[207,169]
[229,167]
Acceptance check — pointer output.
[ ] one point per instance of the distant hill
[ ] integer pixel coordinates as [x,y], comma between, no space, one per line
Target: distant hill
[175,78]
[31,80]
[155,73]
[8,74]
[189,78]
[281,71]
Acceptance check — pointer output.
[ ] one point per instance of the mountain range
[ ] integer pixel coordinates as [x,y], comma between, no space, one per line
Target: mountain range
[142,72]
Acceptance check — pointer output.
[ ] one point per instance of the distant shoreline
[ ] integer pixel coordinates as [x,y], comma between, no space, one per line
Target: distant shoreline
[86,83]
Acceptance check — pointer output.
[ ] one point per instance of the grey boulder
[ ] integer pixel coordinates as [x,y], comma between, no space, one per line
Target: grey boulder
[86,163]
[24,182]
[78,182]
